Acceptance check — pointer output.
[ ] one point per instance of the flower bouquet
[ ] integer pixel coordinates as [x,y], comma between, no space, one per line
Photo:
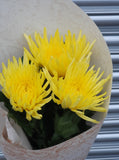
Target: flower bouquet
[55,93]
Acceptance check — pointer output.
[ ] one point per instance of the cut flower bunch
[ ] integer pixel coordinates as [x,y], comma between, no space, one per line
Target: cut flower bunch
[53,90]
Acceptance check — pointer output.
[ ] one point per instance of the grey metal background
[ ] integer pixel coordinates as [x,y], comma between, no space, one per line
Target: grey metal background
[105,13]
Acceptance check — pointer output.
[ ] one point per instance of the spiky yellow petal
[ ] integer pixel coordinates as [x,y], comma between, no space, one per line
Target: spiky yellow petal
[57,53]
[81,89]
[25,87]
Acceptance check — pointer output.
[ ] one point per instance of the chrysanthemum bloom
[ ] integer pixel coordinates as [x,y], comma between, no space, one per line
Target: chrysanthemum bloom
[80,90]
[24,86]
[57,53]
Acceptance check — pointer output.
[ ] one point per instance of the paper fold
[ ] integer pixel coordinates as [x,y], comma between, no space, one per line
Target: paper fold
[15,134]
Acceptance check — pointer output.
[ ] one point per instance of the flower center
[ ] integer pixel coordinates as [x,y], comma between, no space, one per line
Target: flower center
[54,51]
[25,87]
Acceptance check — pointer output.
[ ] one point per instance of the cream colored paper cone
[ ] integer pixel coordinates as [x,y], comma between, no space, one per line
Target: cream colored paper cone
[76,148]
[18,17]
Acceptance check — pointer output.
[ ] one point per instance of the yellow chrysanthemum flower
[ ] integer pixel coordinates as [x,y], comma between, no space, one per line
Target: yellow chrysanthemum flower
[25,87]
[57,53]
[80,89]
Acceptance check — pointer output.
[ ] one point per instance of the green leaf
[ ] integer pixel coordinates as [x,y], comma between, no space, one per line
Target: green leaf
[2,97]
[66,126]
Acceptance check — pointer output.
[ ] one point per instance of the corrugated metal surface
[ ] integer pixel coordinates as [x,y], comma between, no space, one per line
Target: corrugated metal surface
[105,13]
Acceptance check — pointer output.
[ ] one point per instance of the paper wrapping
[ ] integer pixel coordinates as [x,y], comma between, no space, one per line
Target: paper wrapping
[19,17]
